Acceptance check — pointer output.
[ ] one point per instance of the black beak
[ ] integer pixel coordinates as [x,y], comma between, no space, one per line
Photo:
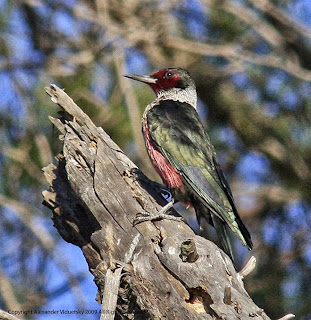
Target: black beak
[145,79]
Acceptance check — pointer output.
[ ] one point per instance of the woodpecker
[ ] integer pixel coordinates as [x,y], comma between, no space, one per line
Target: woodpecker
[184,157]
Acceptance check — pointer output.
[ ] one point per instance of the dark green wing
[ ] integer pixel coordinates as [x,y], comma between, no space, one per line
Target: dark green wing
[179,135]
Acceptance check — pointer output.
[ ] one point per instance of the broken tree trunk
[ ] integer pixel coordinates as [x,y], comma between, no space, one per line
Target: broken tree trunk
[154,270]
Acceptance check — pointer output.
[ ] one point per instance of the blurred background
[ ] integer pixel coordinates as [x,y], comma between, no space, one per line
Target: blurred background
[251,60]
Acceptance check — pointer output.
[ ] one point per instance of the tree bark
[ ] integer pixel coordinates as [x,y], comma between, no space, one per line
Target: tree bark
[161,269]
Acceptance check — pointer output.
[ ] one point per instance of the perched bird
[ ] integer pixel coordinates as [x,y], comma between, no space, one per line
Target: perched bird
[182,154]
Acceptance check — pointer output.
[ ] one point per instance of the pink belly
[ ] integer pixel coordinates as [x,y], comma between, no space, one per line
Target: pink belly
[170,177]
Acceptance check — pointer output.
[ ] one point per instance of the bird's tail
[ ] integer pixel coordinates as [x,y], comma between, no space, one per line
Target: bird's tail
[223,235]
[205,217]
[244,235]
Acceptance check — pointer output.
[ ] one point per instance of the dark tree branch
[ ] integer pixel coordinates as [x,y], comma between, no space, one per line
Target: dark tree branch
[165,270]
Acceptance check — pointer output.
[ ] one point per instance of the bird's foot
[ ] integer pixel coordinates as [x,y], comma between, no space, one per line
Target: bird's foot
[142,217]
[161,214]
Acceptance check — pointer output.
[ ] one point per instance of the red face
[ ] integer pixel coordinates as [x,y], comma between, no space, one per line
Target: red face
[166,79]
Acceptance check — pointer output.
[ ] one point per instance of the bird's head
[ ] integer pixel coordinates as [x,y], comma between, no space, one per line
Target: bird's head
[166,79]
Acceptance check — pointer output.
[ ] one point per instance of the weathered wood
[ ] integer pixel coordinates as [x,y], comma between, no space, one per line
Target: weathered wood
[110,294]
[7,316]
[95,193]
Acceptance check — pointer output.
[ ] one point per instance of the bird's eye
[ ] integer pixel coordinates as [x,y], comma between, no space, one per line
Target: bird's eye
[168,74]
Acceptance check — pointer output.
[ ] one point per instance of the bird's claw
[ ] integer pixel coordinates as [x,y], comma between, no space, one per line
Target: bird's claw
[143,217]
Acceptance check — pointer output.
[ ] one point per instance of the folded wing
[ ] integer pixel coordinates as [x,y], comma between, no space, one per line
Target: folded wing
[179,135]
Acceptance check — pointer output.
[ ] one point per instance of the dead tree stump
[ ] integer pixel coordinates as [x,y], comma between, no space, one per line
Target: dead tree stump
[154,270]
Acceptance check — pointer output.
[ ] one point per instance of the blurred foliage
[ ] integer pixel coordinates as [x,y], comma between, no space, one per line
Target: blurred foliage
[251,62]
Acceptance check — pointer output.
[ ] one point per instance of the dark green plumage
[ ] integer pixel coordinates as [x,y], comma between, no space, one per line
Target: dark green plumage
[179,135]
